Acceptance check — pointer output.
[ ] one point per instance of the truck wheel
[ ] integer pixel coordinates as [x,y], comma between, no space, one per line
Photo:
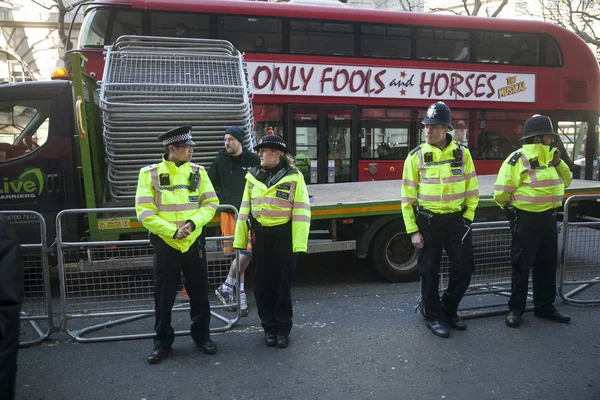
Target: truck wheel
[394,255]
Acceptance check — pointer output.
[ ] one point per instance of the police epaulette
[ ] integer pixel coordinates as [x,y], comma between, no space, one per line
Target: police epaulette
[461,144]
[413,151]
[515,157]
[200,167]
[149,167]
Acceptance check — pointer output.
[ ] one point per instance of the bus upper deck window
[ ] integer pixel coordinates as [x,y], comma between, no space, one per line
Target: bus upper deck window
[553,54]
[125,22]
[93,29]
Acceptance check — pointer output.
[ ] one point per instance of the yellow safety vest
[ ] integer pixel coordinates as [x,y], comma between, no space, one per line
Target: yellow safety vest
[276,205]
[165,199]
[528,182]
[442,181]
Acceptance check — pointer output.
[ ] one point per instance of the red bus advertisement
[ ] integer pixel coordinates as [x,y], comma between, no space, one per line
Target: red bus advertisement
[348,88]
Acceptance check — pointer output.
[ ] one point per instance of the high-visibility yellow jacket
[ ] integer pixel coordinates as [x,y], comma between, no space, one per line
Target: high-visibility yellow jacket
[442,181]
[165,201]
[285,200]
[528,182]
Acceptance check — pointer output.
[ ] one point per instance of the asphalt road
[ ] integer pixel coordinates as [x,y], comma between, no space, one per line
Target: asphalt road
[354,337]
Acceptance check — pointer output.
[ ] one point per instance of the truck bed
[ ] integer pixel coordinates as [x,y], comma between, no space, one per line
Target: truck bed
[383,197]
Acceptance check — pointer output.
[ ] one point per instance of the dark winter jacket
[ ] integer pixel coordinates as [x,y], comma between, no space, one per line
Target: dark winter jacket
[227,174]
[11,287]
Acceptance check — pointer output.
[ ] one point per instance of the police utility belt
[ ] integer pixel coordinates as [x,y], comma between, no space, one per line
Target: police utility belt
[256,226]
[430,215]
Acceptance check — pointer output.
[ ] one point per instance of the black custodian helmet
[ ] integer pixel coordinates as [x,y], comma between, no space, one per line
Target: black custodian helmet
[439,113]
[538,125]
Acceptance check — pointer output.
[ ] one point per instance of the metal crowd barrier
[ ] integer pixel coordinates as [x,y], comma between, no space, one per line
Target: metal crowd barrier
[114,280]
[580,256]
[492,274]
[36,306]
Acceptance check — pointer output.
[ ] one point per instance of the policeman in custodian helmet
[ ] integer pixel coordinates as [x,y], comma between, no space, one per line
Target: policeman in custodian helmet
[174,201]
[439,197]
[530,186]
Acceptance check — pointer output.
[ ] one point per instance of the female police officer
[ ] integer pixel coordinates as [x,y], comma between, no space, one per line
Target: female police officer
[276,204]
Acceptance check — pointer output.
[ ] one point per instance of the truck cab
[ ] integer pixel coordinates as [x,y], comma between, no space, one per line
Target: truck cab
[38,162]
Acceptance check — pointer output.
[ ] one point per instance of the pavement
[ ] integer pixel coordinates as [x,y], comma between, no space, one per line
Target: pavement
[355,336]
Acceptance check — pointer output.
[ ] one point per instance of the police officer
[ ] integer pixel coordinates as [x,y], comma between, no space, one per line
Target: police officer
[276,204]
[439,197]
[11,289]
[530,186]
[174,201]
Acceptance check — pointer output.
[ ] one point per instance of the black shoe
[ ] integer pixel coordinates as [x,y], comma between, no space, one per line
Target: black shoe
[457,323]
[554,316]
[270,339]
[437,328]
[157,355]
[283,341]
[513,320]
[208,347]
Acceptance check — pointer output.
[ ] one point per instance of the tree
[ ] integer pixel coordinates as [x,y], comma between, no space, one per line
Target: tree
[491,8]
[579,16]
[63,7]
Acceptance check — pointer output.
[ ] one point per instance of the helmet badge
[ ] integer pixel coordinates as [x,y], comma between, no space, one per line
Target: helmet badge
[431,111]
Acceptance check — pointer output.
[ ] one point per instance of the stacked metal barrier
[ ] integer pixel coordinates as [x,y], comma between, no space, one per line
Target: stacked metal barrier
[154,84]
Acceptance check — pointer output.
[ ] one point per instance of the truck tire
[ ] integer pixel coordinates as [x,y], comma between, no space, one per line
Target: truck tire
[393,254]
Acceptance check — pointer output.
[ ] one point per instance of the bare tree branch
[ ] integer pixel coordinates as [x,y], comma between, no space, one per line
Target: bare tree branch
[500,7]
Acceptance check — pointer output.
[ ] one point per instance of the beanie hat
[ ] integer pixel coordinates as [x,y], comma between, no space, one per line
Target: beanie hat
[236,132]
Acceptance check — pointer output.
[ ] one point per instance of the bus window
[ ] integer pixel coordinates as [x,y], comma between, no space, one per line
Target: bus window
[23,128]
[507,48]
[573,136]
[252,34]
[384,133]
[267,117]
[553,54]
[125,22]
[438,44]
[94,28]
[325,38]
[497,134]
[384,41]
[179,25]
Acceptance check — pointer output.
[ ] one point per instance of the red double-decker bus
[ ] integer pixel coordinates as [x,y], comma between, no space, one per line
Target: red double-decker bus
[348,88]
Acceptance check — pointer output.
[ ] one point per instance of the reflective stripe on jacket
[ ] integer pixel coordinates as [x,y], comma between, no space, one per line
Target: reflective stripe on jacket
[276,205]
[165,207]
[440,184]
[532,184]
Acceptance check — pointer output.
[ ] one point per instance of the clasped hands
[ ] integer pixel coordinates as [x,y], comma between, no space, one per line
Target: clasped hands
[184,232]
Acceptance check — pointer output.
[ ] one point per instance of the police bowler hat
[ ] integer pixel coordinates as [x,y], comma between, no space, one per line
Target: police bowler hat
[180,135]
[538,125]
[272,142]
[439,114]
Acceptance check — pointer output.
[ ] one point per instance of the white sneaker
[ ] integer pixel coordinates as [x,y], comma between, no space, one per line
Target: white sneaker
[243,305]
[226,297]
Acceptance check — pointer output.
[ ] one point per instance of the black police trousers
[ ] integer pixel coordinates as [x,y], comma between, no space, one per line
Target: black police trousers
[11,288]
[275,266]
[168,265]
[449,232]
[534,248]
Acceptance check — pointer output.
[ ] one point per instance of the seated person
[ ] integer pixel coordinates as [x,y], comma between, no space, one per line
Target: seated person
[384,151]
[364,152]
[182,30]
[461,51]
[524,55]
[260,45]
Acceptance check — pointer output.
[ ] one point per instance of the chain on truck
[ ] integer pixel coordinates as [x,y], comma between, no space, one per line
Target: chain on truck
[78,143]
